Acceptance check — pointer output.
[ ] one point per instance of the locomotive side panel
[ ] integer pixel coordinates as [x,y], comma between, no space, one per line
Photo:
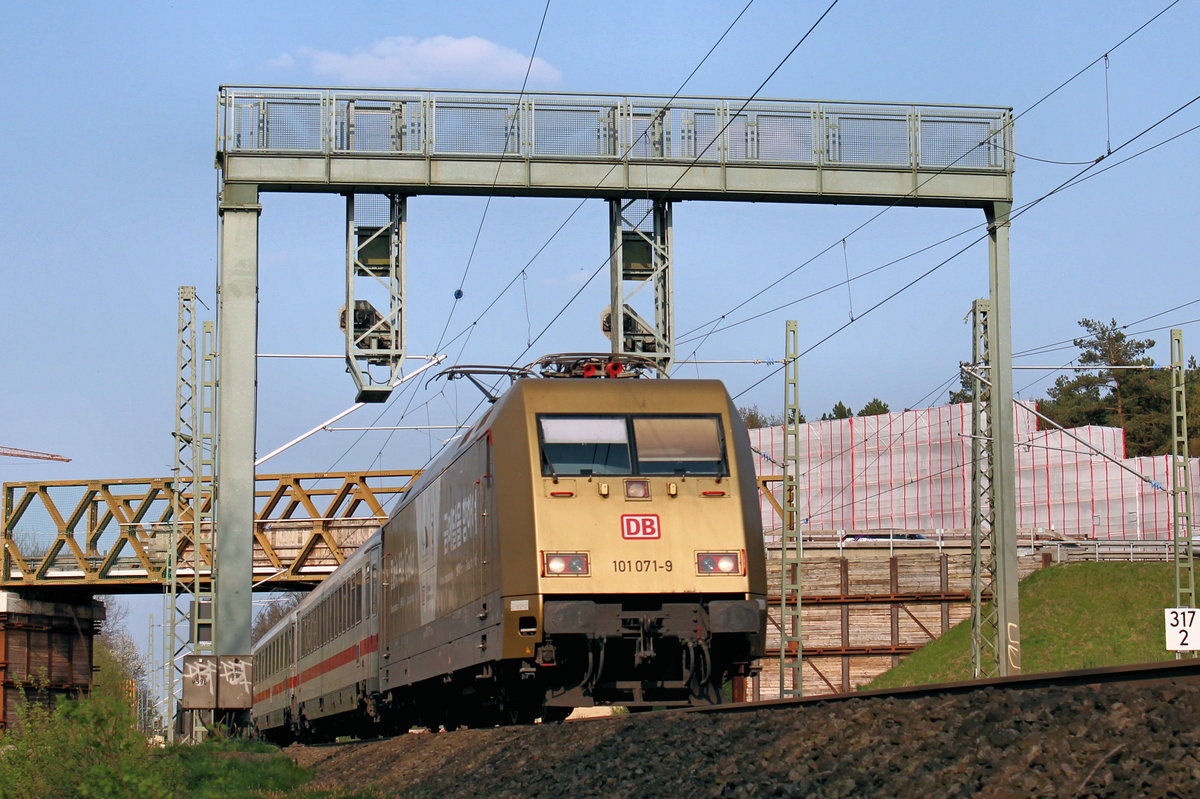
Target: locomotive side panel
[756,553]
[441,595]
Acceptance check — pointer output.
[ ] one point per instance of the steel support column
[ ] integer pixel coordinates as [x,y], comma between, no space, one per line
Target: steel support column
[641,238]
[1004,495]
[237,323]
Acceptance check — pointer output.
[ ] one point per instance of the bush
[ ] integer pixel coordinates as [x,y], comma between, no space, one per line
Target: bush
[88,747]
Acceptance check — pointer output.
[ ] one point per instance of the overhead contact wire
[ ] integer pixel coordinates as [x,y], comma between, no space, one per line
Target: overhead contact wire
[592,192]
[508,130]
[880,213]
[1073,180]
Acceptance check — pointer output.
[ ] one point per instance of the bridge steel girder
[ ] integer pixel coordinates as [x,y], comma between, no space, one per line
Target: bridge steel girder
[114,536]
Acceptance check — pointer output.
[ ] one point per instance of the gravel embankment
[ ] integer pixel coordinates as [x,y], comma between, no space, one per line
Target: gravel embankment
[1115,741]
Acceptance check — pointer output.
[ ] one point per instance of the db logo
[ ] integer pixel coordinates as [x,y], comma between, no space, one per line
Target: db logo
[643,526]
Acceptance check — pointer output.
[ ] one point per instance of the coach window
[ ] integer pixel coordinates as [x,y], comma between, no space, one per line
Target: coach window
[679,445]
[584,445]
[341,623]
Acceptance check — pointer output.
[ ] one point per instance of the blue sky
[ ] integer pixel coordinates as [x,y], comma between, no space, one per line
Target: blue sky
[110,203]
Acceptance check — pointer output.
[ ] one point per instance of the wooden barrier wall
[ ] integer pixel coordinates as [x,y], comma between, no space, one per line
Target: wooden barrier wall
[867,606]
[46,649]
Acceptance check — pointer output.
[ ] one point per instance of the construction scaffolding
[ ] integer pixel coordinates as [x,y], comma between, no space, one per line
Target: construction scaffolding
[912,471]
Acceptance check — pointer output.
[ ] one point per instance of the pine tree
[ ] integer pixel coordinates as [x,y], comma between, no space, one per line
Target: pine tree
[840,411]
[1138,401]
[874,408]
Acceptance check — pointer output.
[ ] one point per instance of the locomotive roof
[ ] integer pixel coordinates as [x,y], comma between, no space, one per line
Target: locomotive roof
[591,393]
[584,395]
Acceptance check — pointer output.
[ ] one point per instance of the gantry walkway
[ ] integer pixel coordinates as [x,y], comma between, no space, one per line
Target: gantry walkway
[613,146]
[113,536]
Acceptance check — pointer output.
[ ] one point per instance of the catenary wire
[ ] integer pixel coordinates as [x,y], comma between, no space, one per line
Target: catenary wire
[508,130]
[1073,180]
[884,210]
[1027,110]
[605,262]
[592,192]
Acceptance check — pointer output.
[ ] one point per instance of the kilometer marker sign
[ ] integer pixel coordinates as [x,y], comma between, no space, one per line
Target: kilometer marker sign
[1183,629]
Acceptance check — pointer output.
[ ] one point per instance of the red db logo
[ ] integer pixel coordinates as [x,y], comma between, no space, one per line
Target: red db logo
[641,526]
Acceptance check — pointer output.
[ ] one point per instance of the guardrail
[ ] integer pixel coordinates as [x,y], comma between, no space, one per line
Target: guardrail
[538,125]
[1125,550]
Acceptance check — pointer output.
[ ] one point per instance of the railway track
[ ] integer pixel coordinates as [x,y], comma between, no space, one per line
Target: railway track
[1137,674]
[1147,674]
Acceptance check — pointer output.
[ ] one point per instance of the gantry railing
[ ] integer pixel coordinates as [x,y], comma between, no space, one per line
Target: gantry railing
[114,535]
[601,126]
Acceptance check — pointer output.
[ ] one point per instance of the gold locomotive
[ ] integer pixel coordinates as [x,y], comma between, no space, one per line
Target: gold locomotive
[588,542]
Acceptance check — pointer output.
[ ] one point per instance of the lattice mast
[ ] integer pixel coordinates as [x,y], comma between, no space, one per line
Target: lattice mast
[174,643]
[791,647]
[985,629]
[1181,482]
[187,611]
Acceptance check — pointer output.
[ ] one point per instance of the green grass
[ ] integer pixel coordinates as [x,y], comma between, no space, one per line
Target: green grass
[222,768]
[90,747]
[1075,616]
[225,768]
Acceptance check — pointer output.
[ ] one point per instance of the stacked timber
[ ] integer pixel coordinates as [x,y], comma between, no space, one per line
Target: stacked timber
[864,607]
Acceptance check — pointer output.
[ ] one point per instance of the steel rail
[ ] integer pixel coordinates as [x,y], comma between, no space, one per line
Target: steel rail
[1135,674]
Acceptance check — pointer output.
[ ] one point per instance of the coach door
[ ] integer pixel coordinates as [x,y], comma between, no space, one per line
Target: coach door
[293,663]
[484,525]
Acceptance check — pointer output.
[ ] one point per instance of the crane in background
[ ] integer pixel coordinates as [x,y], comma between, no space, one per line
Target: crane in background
[29,453]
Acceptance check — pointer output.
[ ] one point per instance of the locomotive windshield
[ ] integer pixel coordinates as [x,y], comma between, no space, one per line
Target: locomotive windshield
[622,445]
[678,445]
[585,445]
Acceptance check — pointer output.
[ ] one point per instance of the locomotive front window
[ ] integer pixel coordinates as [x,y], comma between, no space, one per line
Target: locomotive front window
[679,445]
[621,445]
[581,445]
